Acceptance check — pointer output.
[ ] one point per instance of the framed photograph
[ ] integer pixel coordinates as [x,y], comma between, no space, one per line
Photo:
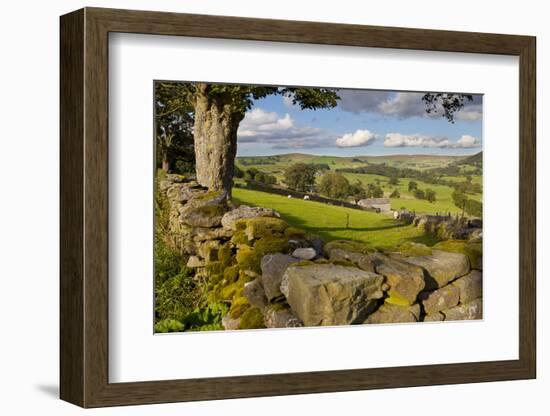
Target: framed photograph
[256,207]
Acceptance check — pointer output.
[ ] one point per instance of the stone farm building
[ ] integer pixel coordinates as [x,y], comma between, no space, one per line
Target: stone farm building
[382,204]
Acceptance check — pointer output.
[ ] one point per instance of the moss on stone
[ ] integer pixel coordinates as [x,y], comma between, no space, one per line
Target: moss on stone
[259,227]
[252,318]
[293,233]
[269,244]
[302,263]
[231,274]
[279,306]
[238,306]
[239,237]
[207,195]
[247,259]
[395,299]
[214,267]
[225,255]
[347,245]
[473,251]
[210,210]
[414,249]
[345,263]
[227,293]
[240,225]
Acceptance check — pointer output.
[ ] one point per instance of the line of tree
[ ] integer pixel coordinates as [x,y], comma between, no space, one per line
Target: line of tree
[433,176]
[255,175]
[469,206]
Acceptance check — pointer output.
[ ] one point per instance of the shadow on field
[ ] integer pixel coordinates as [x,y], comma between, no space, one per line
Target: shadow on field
[301,223]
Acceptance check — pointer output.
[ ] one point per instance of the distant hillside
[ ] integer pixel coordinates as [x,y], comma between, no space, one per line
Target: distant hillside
[418,161]
[474,160]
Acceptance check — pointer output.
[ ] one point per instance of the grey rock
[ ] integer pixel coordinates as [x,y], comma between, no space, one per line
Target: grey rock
[195,262]
[467,311]
[434,317]
[281,318]
[208,250]
[316,242]
[390,314]
[304,253]
[201,234]
[470,286]
[229,219]
[440,299]
[205,210]
[229,323]
[361,260]
[329,294]
[254,292]
[476,235]
[273,267]
[442,266]
[405,280]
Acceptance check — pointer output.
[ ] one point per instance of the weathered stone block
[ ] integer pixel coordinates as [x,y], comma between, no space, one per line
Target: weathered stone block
[273,267]
[254,292]
[440,299]
[388,314]
[434,317]
[442,267]
[281,317]
[304,253]
[467,311]
[229,220]
[470,286]
[361,260]
[328,294]
[405,280]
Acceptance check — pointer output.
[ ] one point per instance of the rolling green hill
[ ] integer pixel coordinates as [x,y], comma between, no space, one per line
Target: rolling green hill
[329,222]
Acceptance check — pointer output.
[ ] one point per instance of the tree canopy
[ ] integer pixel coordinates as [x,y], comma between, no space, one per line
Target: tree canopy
[449,102]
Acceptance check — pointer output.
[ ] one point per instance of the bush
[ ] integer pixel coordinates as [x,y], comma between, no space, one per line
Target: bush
[395,194]
[300,177]
[334,185]
[430,195]
[419,194]
[168,262]
[176,297]
[168,325]
[474,208]
[208,318]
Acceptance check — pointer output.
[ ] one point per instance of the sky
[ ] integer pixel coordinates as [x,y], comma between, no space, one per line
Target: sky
[365,122]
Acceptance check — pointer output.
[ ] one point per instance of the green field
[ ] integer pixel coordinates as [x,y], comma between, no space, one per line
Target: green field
[443,203]
[276,165]
[329,222]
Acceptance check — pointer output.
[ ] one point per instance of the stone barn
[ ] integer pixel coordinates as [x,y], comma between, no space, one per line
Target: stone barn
[380,204]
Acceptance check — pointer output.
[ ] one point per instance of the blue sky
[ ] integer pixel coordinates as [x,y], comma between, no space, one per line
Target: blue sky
[365,122]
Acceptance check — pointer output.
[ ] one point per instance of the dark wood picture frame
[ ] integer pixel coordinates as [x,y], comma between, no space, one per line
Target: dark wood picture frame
[84,207]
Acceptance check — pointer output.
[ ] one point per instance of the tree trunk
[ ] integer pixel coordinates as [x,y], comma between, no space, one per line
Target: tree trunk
[165,162]
[215,131]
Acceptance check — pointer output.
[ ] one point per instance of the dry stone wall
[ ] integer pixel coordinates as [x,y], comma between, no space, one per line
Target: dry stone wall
[274,275]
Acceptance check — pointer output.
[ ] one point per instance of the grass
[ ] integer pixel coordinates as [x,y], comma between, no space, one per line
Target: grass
[443,203]
[329,222]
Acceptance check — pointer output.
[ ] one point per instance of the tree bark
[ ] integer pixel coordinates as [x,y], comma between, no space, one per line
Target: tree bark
[165,162]
[215,134]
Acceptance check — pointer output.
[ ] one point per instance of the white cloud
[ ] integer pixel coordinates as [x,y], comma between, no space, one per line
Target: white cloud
[467,141]
[359,138]
[404,104]
[260,126]
[417,140]
[469,113]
